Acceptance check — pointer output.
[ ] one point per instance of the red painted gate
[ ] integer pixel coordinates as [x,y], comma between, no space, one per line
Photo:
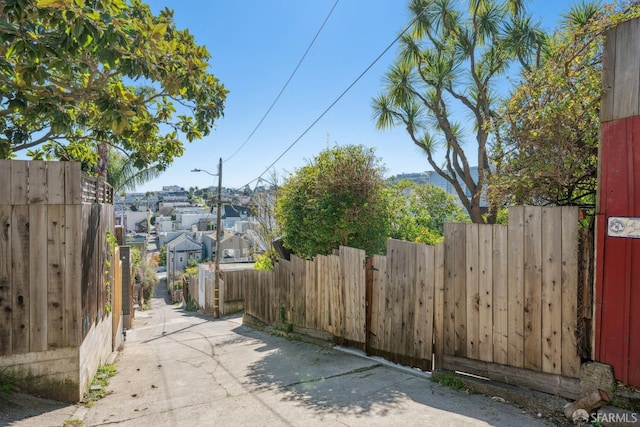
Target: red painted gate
[617,340]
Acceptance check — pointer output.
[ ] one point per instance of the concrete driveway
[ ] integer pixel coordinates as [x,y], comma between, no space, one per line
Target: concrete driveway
[184,369]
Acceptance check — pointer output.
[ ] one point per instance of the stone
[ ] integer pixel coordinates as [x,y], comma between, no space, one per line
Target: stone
[597,376]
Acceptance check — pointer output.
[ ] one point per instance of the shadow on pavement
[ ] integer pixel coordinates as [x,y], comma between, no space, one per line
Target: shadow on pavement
[16,406]
[328,381]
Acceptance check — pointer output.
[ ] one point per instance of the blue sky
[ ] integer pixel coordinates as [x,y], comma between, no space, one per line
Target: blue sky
[255,46]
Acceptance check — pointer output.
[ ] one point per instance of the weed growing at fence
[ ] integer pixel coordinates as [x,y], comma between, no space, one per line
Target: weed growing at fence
[449,380]
[6,385]
[112,243]
[191,305]
[98,387]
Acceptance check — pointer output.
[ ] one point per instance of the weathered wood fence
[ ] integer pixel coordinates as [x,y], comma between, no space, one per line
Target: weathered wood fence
[498,301]
[200,290]
[56,272]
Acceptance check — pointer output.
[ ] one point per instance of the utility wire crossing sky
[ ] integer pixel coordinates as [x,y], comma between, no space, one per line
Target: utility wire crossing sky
[338,51]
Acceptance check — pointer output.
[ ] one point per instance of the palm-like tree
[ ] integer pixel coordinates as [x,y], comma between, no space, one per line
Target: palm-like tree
[449,63]
[122,174]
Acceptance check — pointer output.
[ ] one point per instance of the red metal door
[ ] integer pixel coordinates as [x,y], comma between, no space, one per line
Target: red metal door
[618,253]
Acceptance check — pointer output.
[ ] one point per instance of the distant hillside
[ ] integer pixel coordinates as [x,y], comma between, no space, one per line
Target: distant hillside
[419,178]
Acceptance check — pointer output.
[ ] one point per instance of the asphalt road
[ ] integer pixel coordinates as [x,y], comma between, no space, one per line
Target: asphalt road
[185,369]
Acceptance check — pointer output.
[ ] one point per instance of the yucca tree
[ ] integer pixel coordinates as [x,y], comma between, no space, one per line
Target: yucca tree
[441,87]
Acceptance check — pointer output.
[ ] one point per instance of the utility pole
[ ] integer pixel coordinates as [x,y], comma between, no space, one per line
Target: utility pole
[216,286]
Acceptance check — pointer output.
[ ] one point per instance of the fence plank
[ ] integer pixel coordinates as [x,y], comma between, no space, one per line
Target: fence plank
[397,334]
[311,296]
[551,292]
[6,286]
[460,290]
[378,302]
[72,183]
[406,281]
[37,181]
[73,274]
[297,283]
[6,180]
[321,309]
[448,327]
[20,278]
[55,276]
[352,262]
[627,86]
[532,287]
[570,358]
[55,183]
[37,277]
[19,182]
[515,293]
[472,288]
[336,305]
[485,292]
[438,305]
[425,262]
[608,80]
[500,294]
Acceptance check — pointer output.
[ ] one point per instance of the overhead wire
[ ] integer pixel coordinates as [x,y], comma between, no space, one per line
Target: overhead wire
[285,85]
[338,98]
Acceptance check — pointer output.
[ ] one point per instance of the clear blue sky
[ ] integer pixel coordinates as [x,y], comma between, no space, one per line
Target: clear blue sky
[255,46]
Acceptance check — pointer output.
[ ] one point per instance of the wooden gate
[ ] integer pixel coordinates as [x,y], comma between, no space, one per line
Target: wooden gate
[617,340]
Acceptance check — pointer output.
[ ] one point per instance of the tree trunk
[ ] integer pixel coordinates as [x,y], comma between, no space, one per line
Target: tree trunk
[103,161]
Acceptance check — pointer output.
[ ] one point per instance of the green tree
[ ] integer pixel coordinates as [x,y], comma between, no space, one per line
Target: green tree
[144,275]
[449,61]
[547,151]
[420,211]
[338,198]
[77,76]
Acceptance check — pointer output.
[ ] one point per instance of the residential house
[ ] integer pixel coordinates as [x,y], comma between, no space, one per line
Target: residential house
[233,247]
[233,213]
[180,250]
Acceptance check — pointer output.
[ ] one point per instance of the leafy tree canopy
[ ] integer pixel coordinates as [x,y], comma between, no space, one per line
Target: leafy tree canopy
[547,150]
[76,73]
[420,211]
[338,198]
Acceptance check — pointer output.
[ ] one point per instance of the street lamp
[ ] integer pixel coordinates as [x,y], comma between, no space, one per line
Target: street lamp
[216,286]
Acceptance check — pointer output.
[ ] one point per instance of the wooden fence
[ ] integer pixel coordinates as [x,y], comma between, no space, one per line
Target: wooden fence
[499,301]
[200,290]
[53,255]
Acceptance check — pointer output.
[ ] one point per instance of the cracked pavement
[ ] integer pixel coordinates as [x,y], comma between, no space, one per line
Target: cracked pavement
[186,369]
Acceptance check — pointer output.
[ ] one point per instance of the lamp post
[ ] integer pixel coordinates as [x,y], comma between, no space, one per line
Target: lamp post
[216,285]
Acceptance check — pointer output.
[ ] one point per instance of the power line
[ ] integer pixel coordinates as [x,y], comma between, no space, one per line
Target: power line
[338,98]
[285,85]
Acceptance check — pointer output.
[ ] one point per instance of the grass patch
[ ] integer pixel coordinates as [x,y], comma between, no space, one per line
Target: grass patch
[98,387]
[73,422]
[450,380]
[6,385]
